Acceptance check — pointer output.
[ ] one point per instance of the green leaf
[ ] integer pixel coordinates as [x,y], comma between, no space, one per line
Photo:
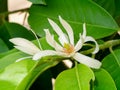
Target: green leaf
[77,78]
[11,30]
[3,46]
[117,4]
[7,53]
[11,58]
[44,64]
[38,2]
[99,23]
[103,81]
[21,75]
[108,5]
[11,76]
[111,63]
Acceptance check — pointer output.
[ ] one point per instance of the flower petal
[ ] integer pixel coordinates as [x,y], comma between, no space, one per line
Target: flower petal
[29,51]
[50,40]
[79,44]
[68,28]
[25,45]
[62,41]
[84,31]
[57,29]
[93,63]
[89,38]
[44,53]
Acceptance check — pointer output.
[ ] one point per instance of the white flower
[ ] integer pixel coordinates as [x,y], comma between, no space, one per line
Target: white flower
[67,47]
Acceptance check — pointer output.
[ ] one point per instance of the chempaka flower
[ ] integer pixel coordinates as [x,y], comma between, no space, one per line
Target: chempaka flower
[66,46]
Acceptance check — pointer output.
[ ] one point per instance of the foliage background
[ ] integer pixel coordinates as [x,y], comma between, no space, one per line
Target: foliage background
[103,20]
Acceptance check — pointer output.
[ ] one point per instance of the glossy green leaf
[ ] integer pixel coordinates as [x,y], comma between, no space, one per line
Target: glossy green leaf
[7,53]
[117,13]
[77,78]
[21,75]
[3,46]
[99,23]
[38,2]
[103,81]
[11,76]
[10,30]
[108,5]
[117,4]
[111,63]
[41,66]
[10,58]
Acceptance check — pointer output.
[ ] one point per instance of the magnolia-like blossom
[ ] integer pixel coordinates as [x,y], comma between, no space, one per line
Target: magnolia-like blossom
[66,46]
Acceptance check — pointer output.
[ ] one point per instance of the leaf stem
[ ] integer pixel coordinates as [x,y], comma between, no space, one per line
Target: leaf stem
[106,45]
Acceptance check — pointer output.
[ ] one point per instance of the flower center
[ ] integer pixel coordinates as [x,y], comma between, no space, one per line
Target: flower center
[68,48]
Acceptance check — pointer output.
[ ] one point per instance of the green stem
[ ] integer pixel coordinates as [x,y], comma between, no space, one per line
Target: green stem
[106,45]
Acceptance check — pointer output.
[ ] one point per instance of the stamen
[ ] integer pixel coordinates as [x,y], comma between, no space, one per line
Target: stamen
[68,48]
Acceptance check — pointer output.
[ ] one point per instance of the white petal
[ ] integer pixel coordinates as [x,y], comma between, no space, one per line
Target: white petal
[29,51]
[47,53]
[62,39]
[68,63]
[68,29]
[89,38]
[24,44]
[79,44]
[50,40]
[57,29]
[84,30]
[93,63]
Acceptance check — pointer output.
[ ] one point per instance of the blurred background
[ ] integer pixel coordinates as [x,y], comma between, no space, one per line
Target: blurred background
[19,17]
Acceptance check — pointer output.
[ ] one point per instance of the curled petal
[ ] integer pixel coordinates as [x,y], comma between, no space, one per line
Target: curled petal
[50,40]
[25,45]
[79,44]
[89,38]
[84,31]
[44,53]
[68,28]
[90,62]
[57,29]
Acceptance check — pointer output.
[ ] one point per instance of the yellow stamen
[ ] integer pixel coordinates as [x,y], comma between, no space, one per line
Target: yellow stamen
[68,48]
